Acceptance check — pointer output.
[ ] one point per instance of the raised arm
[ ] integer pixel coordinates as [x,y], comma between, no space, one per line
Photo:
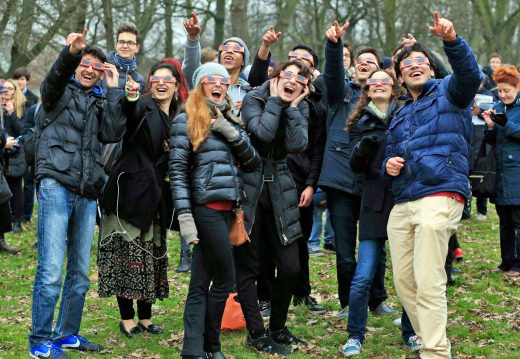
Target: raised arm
[334,73]
[258,73]
[192,48]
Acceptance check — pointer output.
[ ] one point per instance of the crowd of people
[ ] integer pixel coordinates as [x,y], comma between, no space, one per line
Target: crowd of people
[374,149]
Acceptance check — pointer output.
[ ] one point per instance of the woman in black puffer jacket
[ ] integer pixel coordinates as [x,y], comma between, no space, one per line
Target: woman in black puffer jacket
[209,151]
[5,213]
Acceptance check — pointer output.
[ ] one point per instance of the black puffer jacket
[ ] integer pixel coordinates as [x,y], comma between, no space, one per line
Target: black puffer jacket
[276,130]
[212,173]
[69,148]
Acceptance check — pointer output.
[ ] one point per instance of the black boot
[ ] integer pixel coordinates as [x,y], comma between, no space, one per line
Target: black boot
[185,262]
[5,248]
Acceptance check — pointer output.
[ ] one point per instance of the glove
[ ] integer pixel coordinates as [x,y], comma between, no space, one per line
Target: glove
[188,228]
[368,144]
[225,128]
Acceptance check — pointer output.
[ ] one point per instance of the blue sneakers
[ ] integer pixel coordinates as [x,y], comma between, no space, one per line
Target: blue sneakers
[48,351]
[79,343]
[412,344]
[352,347]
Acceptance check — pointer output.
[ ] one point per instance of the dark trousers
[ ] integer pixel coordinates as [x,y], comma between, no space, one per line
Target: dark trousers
[406,327]
[482,205]
[28,193]
[212,279]
[344,213]
[126,309]
[15,184]
[303,285]
[509,217]
[274,255]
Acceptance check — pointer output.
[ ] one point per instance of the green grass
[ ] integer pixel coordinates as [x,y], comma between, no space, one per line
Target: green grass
[484,307]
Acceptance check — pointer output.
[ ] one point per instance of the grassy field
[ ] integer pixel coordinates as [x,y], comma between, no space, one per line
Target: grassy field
[484,309]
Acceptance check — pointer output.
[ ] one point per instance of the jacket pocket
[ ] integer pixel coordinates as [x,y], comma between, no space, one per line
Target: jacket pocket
[61,154]
[432,165]
[207,176]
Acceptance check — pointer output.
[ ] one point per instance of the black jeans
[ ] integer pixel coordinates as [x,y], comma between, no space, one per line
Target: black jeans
[482,205]
[406,327]
[212,279]
[15,184]
[28,193]
[509,217]
[127,312]
[344,213]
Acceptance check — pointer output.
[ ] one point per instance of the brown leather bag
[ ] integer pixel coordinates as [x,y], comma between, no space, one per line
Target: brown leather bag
[237,230]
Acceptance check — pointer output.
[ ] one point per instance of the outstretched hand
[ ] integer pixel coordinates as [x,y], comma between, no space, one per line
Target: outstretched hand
[442,28]
[192,26]
[77,42]
[335,32]
[271,36]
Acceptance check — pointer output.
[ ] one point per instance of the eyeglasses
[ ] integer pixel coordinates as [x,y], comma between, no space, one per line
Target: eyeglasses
[231,48]
[165,79]
[213,79]
[129,43]
[367,60]
[413,60]
[5,88]
[94,64]
[301,56]
[289,75]
[383,81]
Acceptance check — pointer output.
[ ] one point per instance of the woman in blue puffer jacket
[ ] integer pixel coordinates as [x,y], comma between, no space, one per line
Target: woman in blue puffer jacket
[505,134]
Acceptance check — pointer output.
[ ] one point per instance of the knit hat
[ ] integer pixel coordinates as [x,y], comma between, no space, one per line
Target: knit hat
[242,43]
[209,68]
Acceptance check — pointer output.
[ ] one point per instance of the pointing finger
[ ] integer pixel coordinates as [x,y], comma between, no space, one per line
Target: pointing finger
[436,18]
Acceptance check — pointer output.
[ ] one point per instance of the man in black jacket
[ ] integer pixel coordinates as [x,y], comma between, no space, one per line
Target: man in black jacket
[77,117]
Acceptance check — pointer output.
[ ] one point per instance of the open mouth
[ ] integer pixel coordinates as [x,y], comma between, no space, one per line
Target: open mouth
[87,77]
[379,90]
[364,69]
[216,95]
[161,90]
[228,58]
[416,74]
[289,90]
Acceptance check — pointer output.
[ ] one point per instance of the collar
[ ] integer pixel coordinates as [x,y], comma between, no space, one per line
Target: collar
[96,90]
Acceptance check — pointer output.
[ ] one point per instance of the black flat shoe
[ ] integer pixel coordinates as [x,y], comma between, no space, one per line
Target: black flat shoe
[215,355]
[192,357]
[130,334]
[152,328]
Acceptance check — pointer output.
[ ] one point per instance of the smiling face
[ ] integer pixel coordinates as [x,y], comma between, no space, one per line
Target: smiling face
[9,90]
[417,73]
[507,92]
[126,45]
[232,60]
[365,64]
[380,86]
[164,91]
[289,89]
[215,90]
[87,76]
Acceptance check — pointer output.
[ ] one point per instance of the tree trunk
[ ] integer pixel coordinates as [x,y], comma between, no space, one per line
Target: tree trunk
[239,20]
[220,18]
[168,31]
[108,22]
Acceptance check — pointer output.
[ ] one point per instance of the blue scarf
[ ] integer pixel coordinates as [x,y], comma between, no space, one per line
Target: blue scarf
[96,90]
[128,65]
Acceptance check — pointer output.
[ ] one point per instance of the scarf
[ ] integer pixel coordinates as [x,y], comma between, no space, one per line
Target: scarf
[95,90]
[381,114]
[126,64]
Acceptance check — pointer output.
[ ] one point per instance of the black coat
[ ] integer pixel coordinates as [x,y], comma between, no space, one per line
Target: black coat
[376,197]
[212,173]
[5,212]
[75,125]
[31,98]
[141,172]
[15,157]
[276,130]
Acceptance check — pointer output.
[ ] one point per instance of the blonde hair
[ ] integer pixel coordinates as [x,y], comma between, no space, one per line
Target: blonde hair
[199,117]
[18,100]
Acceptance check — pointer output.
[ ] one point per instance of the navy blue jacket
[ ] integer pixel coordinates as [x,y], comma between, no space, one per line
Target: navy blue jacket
[342,97]
[433,133]
[507,150]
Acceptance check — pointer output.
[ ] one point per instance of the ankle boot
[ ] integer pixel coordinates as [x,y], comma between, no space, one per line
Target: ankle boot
[5,248]
[185,262]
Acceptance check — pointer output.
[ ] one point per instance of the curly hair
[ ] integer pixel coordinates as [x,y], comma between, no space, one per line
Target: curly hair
[397,90]
[507,74]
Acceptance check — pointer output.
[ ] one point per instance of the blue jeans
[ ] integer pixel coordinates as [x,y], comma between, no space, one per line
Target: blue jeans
[369,253]
[65,225]
[317,228]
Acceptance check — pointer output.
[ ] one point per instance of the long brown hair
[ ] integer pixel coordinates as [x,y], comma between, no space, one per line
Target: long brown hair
[397,90]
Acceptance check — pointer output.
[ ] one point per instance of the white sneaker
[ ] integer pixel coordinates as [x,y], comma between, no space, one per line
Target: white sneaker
[481,217]
[397,322]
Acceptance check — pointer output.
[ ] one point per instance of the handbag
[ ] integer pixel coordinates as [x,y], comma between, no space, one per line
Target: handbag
[483,177]
[237,231]
[5,191]
[233,317]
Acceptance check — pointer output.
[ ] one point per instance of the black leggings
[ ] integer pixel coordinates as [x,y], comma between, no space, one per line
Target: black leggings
[15,184]
[126,309]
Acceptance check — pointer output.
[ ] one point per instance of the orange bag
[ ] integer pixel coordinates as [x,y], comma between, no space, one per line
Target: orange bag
[233,318]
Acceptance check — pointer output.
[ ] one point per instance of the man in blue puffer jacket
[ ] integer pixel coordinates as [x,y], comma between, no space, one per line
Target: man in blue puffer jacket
[427,157]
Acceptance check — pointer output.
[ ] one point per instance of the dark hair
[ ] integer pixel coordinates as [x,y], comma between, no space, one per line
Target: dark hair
[494,54]
[406,51]
[183,88]
[397,91]
[315,59]
[350,49]
[95,51]
[304,70]
[370,50]
[129,28]
[174,104]
[22,72]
